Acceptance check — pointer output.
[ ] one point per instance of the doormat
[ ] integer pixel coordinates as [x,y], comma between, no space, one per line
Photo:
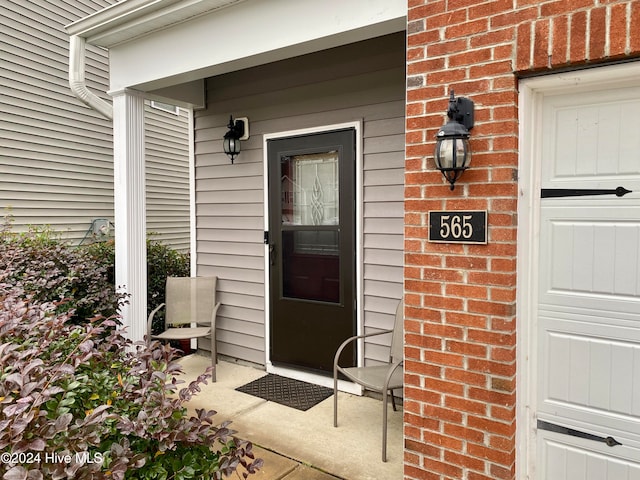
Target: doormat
[287,391]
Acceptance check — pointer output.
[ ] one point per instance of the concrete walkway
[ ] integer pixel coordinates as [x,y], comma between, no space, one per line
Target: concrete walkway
[298,445]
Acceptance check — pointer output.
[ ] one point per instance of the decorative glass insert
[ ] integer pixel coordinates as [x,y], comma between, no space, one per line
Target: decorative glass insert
[310,189]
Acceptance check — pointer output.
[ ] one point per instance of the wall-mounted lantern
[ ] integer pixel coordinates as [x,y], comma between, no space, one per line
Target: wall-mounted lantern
[452,154]
[238,130]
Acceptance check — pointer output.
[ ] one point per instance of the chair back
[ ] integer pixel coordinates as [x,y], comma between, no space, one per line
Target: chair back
[397,337]
[190,299]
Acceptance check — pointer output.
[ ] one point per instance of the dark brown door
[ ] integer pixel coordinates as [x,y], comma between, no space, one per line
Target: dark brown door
[312,248]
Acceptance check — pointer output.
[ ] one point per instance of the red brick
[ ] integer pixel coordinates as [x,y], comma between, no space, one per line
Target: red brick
[464,405]
[442,414]
[503,354]
[466,348]
[597,33]
[618,29]
[422,448]
[472,57]
[489,8]
[635,27]
[467,291]
[502,295]
[503,384]
[559,50]
[463,460]
[502,473]
[421,368]
[412,473]
[523,54]
[466,377]
[560,7]
[493,455]
[490,367]
[467,28]
[493,38]
[448,331]
[541,49]
[426,66]
[577,37]
[503,413]
[443,468]
[491,396]
[490,338]
[466,319]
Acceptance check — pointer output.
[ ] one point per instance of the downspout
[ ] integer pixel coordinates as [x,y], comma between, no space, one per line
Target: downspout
[77,80]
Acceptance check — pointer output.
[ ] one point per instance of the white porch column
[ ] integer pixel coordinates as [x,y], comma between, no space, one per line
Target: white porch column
[130,208]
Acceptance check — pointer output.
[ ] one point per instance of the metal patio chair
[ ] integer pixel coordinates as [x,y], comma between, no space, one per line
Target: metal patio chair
[380,378]
[189,300]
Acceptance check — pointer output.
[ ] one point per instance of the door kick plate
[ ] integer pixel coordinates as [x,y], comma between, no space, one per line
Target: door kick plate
[552,427]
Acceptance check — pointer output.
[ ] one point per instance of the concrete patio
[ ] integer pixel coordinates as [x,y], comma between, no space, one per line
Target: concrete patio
[297,445]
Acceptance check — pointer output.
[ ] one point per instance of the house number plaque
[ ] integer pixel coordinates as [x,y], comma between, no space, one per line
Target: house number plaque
[458,227]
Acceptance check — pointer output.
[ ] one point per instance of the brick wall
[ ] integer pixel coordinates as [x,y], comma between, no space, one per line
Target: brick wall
[460,328]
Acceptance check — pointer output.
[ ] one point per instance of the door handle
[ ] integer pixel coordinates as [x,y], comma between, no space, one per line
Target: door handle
[272,254]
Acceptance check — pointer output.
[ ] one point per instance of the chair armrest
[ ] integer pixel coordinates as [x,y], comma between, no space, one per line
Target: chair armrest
[351,339]
[150,320]
[214,314]
[392,368]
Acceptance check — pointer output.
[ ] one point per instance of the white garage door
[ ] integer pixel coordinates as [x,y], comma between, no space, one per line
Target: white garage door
[588,313]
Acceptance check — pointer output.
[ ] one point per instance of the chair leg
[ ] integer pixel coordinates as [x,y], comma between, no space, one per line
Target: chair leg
[214,357]
[335,398]
[393,401]
[384,425]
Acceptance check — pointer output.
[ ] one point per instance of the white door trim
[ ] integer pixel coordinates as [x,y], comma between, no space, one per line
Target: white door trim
[299,374]
[532,92]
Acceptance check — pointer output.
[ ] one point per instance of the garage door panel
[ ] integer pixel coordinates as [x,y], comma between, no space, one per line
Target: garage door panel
[591,379]
[585,136]
[591,259]
[570,458]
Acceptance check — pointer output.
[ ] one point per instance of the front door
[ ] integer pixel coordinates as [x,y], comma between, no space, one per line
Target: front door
[588,311]
[311,248]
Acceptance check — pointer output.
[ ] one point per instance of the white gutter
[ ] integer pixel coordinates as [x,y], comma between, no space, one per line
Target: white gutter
[77,80]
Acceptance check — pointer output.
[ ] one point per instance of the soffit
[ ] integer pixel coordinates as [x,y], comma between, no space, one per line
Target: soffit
[131,19]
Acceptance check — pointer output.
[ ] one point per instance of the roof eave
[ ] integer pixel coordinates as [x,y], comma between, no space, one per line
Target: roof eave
[129,19]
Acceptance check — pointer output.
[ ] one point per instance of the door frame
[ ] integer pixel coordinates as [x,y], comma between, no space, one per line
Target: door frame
[299,374]
[531,95]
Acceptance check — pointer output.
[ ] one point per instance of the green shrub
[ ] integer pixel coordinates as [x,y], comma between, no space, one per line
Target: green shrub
[71,393]
[162,262]
[50,270]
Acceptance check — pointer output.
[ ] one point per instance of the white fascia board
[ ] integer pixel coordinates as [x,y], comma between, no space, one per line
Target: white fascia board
[245,34]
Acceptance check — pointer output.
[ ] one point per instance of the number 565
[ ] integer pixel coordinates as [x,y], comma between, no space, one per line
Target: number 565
[456,226]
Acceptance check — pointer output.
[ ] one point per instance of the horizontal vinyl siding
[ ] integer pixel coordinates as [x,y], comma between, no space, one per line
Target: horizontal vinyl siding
[56,163]
[358,82]
[167,176]
[56,154]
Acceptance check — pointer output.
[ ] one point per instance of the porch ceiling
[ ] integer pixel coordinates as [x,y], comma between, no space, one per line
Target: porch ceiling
[160,43]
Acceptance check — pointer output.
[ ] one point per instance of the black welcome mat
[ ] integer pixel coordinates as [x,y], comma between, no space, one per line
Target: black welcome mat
[286,391]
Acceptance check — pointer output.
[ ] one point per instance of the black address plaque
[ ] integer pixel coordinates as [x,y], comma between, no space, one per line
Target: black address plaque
[458,227]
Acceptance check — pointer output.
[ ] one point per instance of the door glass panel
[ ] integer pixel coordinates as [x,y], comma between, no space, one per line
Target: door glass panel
[310,188]
[311,265]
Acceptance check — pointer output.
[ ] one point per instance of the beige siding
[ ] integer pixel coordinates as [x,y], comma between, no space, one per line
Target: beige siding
[56,156]
[167,168]
[358,82]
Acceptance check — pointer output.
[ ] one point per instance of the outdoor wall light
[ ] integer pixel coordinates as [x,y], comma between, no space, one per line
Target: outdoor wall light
[453,155]
[238,130]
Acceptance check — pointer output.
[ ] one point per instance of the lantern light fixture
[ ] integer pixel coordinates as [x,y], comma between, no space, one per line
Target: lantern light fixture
[452,153]
[238,130]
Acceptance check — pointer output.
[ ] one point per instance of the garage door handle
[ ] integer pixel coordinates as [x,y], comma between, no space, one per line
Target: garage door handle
[576,192]
[551,427]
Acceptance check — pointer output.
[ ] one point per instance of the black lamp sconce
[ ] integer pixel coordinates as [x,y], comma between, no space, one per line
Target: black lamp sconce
[453,155]
[238,130]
